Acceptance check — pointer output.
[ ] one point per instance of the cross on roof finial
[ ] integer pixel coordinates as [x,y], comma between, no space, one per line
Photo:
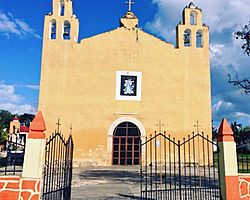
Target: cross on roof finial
[58,125]
[71,129]
[160,125]
[197,126]
[130,2]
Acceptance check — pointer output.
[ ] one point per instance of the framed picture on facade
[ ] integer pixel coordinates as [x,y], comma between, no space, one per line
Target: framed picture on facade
[128,85]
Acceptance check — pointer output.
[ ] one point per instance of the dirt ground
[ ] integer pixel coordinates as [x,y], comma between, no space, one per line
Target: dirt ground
[103,183]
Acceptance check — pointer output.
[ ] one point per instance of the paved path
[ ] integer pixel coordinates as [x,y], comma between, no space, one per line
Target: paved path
[106,183]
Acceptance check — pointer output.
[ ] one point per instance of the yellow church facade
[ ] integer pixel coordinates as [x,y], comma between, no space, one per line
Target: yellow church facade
[115,87]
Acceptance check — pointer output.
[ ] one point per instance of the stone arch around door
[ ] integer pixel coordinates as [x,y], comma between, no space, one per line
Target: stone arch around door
[113,127]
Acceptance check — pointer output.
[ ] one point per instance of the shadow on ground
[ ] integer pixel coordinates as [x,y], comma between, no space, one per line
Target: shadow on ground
[112,175]
[129,196]
[106,183]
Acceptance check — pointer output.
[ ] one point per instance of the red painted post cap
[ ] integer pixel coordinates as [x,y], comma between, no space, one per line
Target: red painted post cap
[225,133]
[37,127]
[15,118]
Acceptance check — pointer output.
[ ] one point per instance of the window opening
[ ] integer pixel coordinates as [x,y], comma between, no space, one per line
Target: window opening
[199,39]
[66,30]
[187,38]
[193,18]
[52,30]
[61,8]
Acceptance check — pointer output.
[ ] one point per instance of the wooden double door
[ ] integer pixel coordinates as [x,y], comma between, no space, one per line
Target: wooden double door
[126,144]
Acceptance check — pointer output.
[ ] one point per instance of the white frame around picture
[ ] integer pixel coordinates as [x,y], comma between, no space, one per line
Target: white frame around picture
[138,86]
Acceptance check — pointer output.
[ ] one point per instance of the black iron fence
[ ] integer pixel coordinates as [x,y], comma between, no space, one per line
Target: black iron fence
[173,169]
[243,157]
[58,168]
[12,157]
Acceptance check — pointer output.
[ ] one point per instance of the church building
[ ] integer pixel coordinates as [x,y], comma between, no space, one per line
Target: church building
[118,87]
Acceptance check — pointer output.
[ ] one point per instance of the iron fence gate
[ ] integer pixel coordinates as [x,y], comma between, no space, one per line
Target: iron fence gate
[243,157]
[58,168]
[243,153]
[12,162]
[178,170]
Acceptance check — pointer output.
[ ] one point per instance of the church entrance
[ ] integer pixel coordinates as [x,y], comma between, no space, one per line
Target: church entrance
[126,144]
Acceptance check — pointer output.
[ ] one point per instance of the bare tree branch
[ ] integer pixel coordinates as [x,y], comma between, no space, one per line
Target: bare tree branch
[244,83]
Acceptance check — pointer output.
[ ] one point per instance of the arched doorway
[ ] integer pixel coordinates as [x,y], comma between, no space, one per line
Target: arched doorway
[126,144]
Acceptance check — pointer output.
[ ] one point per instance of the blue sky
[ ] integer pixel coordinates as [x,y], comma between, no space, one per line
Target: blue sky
[21,32]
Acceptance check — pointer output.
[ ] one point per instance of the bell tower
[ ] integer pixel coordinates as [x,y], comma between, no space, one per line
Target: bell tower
[61,24]
[191,32]
[62,8]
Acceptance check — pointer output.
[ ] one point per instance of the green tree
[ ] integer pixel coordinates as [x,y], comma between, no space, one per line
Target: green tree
[246,130]
[5,118]
[214,131]
[3,135]
[26,118]
[237,129]
[244,35]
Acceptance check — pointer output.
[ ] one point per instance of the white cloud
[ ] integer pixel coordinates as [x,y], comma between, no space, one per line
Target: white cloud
[216,50]
[229,54]
[26,30]
[11,25]
[219,15]
[32,87]
[27,86]
[220,104]
[228,57]
[240,114]
[17,109]
[7,93]
[231,111]
[12,102]
[159,27]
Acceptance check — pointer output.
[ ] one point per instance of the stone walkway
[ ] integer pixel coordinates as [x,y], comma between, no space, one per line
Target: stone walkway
[106,183]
